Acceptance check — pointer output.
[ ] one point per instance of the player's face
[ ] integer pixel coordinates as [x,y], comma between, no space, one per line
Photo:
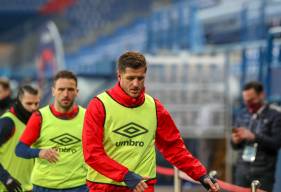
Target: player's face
[132,80]
[30,102]
[65,92]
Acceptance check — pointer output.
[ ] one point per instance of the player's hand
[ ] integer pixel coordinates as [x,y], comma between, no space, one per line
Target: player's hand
[141,186]
[12,185]
[210,183]
[50,155]
[213,185]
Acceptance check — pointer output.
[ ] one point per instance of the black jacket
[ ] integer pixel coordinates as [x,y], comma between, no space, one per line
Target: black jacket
[5,104]
[266,125]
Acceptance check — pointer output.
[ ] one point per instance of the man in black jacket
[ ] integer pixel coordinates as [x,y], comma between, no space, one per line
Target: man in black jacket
[257,137]
[5,95]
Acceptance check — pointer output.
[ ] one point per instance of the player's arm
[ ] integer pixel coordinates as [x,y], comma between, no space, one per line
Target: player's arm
[7,129]
[93,148]
[30,136]
[11,184]
[171,145]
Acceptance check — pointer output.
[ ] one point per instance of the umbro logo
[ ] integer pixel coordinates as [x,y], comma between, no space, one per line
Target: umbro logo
[131,130]
[65,139]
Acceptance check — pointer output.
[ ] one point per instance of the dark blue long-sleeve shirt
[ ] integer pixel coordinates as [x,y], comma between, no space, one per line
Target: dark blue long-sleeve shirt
[25,151]
[7,128]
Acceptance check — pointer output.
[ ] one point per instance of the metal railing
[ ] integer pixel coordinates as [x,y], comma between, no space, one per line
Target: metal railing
[177,181]
[255,185]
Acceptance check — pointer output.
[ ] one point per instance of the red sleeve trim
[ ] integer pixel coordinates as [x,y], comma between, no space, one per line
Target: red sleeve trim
[32,129]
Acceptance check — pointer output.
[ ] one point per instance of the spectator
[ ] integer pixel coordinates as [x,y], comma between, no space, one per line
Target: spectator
[257,137]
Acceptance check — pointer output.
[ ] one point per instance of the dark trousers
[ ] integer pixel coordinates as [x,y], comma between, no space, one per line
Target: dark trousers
[82,188]
[244,176]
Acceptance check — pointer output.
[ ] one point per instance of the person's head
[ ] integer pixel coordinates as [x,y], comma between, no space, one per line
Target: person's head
[253,96]
[5,89]
[64,90]
[29,98]
[131,73]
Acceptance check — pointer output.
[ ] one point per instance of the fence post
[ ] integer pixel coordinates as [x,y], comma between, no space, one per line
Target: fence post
[177,180]
[255,185]
[213,174]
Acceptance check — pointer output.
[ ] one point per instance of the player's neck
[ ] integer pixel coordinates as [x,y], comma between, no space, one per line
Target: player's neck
[60,109]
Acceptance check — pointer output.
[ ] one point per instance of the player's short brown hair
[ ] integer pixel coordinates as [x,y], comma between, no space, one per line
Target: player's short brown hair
[131,59]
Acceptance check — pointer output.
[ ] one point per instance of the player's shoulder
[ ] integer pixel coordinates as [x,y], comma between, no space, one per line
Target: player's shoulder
[275,108]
